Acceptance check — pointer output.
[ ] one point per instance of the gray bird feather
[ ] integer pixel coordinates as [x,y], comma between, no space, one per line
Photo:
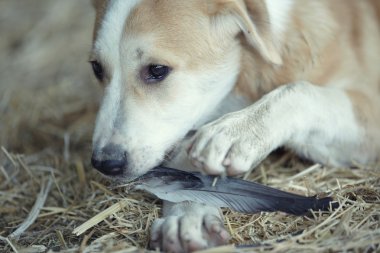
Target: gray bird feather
[239,195]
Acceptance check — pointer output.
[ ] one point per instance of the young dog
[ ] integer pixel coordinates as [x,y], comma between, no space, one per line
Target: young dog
[265,73]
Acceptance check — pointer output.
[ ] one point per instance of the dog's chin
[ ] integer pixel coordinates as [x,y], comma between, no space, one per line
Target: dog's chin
[126,176]
[131,175]
[121,179]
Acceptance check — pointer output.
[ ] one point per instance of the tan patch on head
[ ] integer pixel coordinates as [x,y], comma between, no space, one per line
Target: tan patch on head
[181,28]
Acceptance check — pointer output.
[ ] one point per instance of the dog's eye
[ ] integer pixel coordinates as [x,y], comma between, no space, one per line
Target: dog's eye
[155,73]
[98,70]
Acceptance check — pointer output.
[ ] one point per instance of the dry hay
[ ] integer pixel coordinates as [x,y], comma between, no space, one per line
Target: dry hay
[47,187]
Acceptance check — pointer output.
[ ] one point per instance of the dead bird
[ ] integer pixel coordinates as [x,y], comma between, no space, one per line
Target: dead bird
[242,196]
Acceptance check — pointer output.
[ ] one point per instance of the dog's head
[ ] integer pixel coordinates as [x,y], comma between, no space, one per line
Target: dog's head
[165,66]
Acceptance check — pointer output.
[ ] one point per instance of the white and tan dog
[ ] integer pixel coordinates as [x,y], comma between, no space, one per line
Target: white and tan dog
[265,73]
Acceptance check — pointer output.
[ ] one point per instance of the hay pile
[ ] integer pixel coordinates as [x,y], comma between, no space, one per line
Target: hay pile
[47,106]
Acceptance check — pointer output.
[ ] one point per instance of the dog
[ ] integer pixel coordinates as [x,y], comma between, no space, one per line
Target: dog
[249,75]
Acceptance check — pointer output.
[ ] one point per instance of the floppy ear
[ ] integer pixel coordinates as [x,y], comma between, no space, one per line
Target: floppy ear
[253,20]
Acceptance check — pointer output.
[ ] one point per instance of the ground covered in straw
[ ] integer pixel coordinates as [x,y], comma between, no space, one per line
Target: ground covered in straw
[47,187]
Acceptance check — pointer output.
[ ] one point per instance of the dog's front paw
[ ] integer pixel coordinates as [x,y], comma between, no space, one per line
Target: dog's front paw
[188,232]
[231,145]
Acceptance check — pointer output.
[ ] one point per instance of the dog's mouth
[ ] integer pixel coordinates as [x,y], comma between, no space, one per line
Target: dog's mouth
[174,150]
[126,176]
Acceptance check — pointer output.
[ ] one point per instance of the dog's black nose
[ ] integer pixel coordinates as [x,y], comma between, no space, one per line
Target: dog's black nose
[109,167]
[111,160]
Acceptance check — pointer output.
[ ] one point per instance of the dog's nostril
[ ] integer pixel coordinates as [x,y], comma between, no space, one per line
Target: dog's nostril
[113,167]
[109,167]
[110,161]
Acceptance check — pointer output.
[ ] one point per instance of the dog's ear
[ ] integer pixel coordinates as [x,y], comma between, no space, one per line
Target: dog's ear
[252,19]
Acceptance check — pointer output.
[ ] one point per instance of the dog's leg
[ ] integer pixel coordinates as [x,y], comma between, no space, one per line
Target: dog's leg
[318,122]
[188,227]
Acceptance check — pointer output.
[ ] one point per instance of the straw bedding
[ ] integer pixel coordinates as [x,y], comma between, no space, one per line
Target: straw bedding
[48,102]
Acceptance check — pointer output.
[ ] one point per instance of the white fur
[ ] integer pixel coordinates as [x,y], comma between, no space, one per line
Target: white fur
[318,122]
[112,26]
[326,129]
[107,47]
[279,15]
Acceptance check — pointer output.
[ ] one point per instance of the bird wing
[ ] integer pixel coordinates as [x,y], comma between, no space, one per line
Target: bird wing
[239,195]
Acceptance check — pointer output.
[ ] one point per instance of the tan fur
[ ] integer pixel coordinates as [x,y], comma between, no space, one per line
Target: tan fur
[349,48]
[175,38]
[309,55]
[326,43]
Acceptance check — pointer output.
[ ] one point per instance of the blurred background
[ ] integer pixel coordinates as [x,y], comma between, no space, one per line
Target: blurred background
[47,94]
[48,102]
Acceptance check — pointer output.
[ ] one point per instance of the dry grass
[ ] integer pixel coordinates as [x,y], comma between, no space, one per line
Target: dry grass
[47,107]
